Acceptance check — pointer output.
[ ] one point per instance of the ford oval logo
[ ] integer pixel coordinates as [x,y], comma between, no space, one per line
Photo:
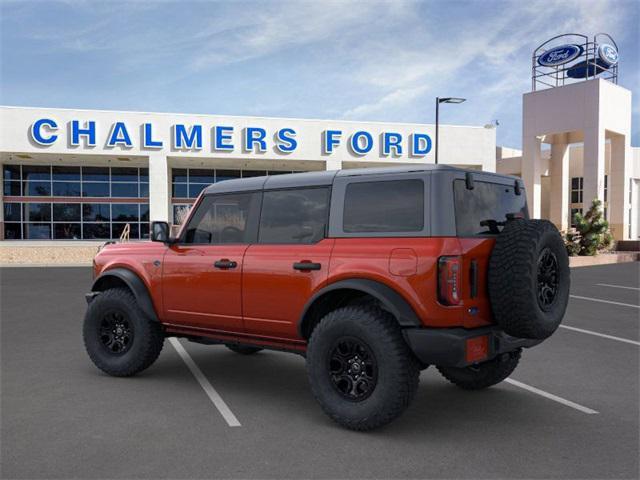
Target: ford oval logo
[560,55]
[608,54]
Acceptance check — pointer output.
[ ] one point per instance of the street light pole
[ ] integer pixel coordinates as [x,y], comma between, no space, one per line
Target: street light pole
[438,102]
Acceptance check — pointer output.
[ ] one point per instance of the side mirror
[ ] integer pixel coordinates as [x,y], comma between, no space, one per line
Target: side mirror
[160,232]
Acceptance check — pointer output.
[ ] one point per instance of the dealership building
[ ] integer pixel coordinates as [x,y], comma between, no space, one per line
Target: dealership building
[87,174]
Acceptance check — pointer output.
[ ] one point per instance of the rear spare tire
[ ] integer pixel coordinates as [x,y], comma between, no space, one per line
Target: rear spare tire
[529,278]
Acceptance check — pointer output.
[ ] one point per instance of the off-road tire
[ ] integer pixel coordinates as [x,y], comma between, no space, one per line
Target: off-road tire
[146,344]
[483,375]
[397,369]
[243,349]
[514,278]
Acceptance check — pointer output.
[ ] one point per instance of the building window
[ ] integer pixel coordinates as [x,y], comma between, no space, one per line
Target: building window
[573,212]
[577,184]
[84,202]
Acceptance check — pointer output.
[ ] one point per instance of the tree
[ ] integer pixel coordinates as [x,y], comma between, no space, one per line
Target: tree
[591,233]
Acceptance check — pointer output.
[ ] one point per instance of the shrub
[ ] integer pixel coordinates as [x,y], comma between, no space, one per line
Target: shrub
[591,233]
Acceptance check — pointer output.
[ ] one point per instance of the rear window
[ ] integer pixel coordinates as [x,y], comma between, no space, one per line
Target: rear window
[487,201]
[386,206]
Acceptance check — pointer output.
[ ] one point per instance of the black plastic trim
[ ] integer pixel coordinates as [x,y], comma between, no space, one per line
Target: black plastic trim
[135,284]
[389,298]
[446,346]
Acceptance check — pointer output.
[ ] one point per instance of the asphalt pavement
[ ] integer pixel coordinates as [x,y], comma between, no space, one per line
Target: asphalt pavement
[571,411]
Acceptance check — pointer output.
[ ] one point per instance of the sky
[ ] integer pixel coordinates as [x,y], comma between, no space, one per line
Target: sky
[351,60]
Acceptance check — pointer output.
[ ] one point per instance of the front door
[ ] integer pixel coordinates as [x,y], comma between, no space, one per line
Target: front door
[289,261]
[202,272]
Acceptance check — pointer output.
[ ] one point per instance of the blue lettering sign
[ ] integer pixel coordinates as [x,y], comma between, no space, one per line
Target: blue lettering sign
[187,139]
[37,134]
[222,135]
[255,136]
[331,140]
[147,138]
[89,132]
[285,140]
[357,146]
[420,144]
[119,136]
[391,140]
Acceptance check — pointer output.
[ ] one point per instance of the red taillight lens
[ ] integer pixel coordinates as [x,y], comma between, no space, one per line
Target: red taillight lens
[449,269]
[477,349]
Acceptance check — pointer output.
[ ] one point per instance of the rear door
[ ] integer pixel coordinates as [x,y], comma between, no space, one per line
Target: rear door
[289,261]
[202,273]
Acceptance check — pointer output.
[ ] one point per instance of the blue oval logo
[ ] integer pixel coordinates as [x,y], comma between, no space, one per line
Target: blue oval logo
[608,54]
[560,55]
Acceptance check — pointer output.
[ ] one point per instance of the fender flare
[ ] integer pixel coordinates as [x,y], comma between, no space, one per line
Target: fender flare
[388,297]
[135,284]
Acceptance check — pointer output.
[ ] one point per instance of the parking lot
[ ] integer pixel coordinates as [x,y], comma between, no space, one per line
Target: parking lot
[571,410]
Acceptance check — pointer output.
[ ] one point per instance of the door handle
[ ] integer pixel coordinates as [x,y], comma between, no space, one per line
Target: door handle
[306,265]
[225,264]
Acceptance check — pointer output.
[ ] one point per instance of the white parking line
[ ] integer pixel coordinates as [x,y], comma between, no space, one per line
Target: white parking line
[610,337]
[551,396]
[616,286]
[211,392]
[605,301]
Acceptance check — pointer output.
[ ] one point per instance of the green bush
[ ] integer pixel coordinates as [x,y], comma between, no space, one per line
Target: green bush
[591,233]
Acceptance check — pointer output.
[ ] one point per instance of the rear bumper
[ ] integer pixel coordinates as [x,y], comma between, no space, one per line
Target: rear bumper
[450,347]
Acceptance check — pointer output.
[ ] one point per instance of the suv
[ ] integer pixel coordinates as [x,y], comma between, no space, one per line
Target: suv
[371,274]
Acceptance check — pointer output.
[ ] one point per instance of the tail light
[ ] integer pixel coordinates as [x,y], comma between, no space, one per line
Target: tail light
[449,269]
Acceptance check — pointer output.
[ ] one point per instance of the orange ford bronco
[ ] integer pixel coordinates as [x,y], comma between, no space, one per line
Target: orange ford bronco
[371,274]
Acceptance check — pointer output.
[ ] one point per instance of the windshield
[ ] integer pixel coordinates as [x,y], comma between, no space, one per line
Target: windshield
[487,201]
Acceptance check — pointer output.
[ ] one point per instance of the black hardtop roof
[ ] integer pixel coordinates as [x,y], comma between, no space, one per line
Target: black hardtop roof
[313,179]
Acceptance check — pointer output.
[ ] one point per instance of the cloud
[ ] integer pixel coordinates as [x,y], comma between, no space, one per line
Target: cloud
[493,51]
[361,60]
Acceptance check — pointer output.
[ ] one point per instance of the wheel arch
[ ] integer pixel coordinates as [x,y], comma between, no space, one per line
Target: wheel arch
[345,291]
[123,277]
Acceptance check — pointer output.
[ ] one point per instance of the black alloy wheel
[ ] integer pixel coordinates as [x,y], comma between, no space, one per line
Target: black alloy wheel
[353,369]
[116,332]
[547,278]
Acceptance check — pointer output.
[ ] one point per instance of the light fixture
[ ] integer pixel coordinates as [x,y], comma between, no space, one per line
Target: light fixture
[440,100]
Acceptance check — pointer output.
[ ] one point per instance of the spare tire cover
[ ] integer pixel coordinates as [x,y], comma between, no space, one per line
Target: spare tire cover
[529,278]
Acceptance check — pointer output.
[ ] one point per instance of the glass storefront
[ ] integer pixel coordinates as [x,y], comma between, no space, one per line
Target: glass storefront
[77,202]
[43,202]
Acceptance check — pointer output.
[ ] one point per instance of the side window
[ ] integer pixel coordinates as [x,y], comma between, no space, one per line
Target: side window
[294,216]
[221,219]
[384,206]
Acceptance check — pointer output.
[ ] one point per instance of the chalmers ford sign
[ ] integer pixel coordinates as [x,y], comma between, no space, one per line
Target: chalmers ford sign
[46,132]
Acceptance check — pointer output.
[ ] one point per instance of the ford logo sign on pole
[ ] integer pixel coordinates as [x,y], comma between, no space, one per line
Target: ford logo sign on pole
[608,54]
[560,55]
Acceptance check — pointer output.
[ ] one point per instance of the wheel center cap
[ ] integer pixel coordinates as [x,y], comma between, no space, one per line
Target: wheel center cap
[355,367]
[118,331]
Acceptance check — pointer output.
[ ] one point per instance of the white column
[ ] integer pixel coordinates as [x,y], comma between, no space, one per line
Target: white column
[531,172]
[559,211]
[333,164]
[159,188]
[618,187]
[593,166]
